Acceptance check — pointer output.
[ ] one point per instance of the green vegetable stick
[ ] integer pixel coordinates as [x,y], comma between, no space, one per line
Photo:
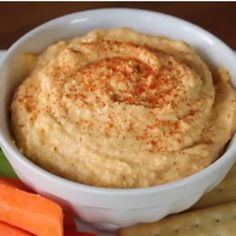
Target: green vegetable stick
[5,168]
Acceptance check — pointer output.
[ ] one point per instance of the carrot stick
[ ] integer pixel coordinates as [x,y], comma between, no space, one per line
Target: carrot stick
[14,182]
[30,212]
[9,230]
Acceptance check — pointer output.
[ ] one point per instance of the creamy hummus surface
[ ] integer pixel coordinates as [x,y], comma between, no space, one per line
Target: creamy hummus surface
[116,108]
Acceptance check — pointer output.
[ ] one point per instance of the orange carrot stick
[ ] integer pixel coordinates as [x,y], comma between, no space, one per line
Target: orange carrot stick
[9,230]
[14,182]
[30,212]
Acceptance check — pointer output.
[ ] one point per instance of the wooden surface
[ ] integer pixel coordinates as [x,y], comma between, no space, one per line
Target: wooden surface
[18,18]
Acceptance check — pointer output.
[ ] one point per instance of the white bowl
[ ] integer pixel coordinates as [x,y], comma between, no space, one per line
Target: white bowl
[103,207]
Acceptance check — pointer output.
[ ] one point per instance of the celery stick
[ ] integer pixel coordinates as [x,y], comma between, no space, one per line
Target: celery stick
[5,168]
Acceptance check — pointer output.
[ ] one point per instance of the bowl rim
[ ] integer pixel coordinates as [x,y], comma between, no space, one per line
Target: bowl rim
[12,149]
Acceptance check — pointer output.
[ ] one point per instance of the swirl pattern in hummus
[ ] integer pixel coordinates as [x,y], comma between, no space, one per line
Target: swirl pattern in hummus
[117,108]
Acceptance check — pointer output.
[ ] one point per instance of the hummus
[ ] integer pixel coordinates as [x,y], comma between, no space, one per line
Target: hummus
[117,108]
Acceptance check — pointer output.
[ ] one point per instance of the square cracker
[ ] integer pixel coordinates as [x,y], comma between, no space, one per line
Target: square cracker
[222,193]
[213,221]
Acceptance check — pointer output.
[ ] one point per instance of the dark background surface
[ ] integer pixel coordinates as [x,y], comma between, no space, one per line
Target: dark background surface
[18,18]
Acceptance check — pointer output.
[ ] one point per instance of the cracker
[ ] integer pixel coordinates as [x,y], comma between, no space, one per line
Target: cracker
[213,221]
[222,193]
